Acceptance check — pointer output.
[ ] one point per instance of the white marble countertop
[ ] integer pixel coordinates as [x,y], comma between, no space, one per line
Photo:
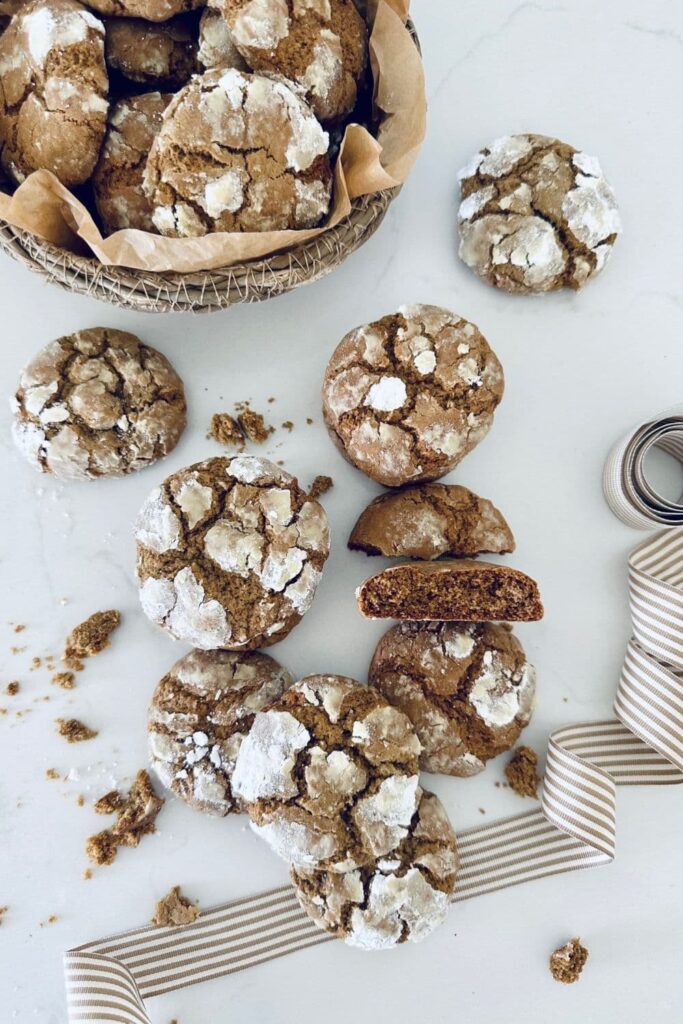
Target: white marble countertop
[580,369]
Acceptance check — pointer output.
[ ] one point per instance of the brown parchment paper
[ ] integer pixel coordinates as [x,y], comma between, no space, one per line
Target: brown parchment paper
[46,208]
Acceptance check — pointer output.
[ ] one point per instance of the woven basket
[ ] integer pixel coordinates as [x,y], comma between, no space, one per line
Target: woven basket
[205,291]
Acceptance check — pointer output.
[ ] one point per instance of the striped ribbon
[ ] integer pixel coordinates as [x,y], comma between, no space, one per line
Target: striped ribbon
[574,827]
[628,493]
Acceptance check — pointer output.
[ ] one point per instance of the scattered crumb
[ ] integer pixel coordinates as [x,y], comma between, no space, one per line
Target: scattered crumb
[3,911]
[19,628]
[51,920]
[51,773]
[87,874]
[520,771]
[90,637]
[3,711]
[67,680]
[80,800]
[135,818]
[225,429]
[110,803]
[482,811]
[12,689]
[567,962]
[321,485]
[36,663]
[288,425]
[309,420]
[174,910]
[17,650]
[74,731]
[254,426]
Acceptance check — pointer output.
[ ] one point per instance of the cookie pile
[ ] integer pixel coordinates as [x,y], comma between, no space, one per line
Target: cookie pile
[183,121]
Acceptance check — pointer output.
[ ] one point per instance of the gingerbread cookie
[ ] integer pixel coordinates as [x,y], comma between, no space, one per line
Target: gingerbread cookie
[238,152]
[97,403]
[321,45]
[399,898]
[407,397]
[329,775]
[216,47]
[159,56]
[117,182]
[200,713]
[429,521]
[230,553]
[467,688]
[465,591]
[53,91]
[148,10]
[536,215]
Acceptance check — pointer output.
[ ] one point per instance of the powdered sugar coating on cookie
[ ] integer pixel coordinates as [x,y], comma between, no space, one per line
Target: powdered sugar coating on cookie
[401,897]
[216,45]
[97,403]
[150,10]
[198,718]
[407,397]
[535,215]
[468,689]
[230,553]
[329,774]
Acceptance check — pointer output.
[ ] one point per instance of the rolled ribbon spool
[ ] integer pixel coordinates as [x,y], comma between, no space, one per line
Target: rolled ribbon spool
[627,490]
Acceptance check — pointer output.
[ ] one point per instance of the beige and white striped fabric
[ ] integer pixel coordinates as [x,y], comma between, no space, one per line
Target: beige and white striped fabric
[629,494]
[574,827]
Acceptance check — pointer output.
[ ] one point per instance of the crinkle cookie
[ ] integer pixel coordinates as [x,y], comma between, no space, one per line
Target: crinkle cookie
[536,215]
[230,553]
[216,47]
[319,44]
[53,91]
[429,521]
[238,152]
[329,775]
[199,715]
[156,55]
[117,182]
[407,397]
[149,10]
[97,403]
[467,688]
[399,898]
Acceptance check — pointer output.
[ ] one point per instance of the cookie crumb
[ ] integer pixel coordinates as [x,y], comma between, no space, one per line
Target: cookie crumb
[51,920]
[321,485]
[17,650]
[67,680]
[225,429]
[567,962]
[254,426]
[110,803]
[309,420]
[135,818]
[12,689]
[90,637]
[36,663]
[520,771]
[51,773]
[3,911]
[80,800]
[87,874]
[288,425]
[19,628]
[174,910]
[74,731]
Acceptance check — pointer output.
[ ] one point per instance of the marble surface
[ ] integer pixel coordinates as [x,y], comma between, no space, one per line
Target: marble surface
[580,369]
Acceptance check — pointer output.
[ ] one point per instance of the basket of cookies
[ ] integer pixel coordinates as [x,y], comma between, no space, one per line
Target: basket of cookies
[161,155]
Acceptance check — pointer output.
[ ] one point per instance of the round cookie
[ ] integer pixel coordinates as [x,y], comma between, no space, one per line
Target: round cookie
[536,215]
[238,152]
[407,397]
[97,403]
[155,55]
[53,91]
[319,44]
[329,775]
[148,10]
[134,122]
[216,48]
[230,553]
[466,687]
[399,898]
[199,715]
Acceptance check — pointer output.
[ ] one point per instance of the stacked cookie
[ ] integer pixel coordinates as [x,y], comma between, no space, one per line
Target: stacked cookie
[184,123]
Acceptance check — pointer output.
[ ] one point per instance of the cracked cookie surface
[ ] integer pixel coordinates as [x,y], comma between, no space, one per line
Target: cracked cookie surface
[159,56]
[150,10]
[133,123]
[198,717]
[407,397]
[97,403]
[230,553]
[431,520]
[329,774]
[535,215]
[53,91]
[238,152]
[321,45]
[467,688]
[216,46]
[399,898]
